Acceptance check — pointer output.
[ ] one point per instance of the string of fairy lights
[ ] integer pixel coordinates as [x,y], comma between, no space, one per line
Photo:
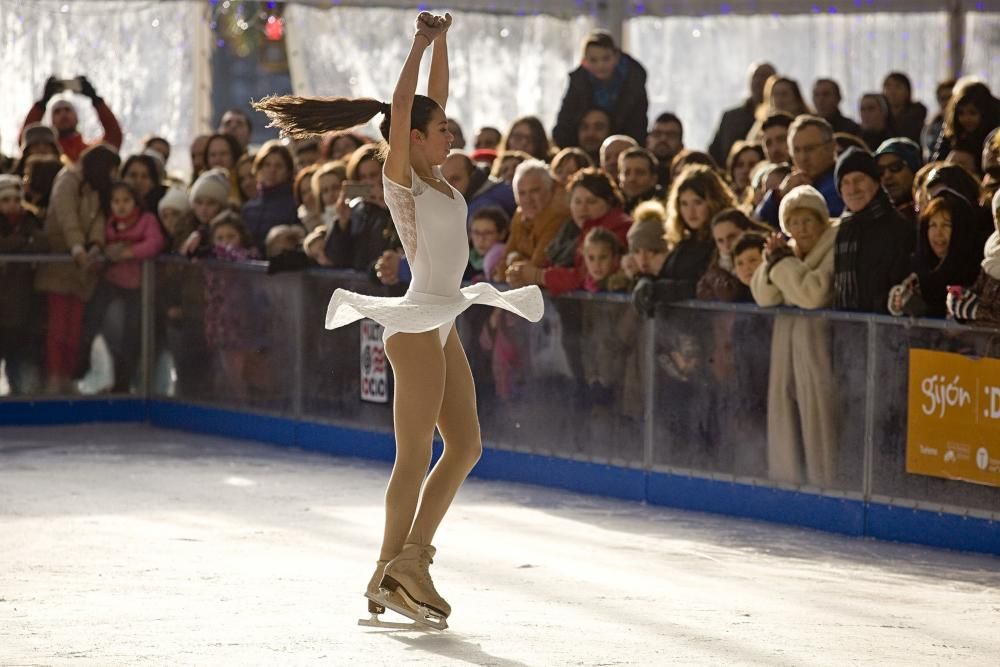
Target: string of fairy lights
[244,25]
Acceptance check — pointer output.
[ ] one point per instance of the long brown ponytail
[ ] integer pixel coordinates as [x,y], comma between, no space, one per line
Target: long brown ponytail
[299,117]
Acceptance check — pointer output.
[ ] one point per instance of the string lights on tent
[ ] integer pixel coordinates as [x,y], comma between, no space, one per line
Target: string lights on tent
[246,26]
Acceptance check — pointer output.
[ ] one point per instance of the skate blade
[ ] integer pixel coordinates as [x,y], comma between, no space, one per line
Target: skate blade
[418,612]
[375,622]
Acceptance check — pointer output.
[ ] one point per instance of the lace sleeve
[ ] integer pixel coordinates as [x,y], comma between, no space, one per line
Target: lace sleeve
[403,208]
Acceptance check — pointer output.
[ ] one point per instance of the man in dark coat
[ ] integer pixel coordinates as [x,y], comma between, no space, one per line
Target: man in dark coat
[874,242]
[607,79]
[736,123]
[826,100]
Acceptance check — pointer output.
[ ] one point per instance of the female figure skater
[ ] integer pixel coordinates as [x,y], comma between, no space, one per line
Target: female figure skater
[434,385]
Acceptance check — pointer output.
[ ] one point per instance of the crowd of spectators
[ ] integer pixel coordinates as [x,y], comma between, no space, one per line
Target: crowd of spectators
[793,203]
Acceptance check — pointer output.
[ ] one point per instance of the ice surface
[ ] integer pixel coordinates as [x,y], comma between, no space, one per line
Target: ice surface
[125,544]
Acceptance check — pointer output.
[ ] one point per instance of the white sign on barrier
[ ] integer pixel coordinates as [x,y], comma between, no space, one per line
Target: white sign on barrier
[374,373]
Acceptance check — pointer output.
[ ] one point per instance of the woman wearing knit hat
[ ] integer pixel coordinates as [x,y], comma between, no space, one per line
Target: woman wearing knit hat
[434,385]
[874,241]
[800,390]
[209,195]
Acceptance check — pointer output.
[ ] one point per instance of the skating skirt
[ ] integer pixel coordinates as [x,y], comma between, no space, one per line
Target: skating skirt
[416,312]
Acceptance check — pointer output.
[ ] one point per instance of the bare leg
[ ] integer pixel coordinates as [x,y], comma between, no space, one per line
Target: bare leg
[458,423]
[418,365]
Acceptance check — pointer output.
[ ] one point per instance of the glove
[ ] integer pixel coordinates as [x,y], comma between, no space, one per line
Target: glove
[644,297]
[901,294]
[53,87]
[962,304]
[87,88]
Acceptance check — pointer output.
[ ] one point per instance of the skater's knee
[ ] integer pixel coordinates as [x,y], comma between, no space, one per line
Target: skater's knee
[466,452]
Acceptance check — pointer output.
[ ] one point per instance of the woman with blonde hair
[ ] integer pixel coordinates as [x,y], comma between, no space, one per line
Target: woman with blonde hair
[433,383]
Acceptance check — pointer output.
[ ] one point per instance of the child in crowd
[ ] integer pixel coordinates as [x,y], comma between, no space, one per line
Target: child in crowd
[131,235]
[603,346]
[748,254]
[284,239]
[175,218]
[283,248]
[20,232]
[602,254]
[209,196]
[326,184]
[720,282]
[314,245]
[487,237]
[229,306]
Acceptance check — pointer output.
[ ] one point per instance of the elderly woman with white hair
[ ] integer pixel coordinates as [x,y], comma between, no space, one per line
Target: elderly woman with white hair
[799,273]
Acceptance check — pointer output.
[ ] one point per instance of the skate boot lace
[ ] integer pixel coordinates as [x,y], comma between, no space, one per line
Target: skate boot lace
[424,564]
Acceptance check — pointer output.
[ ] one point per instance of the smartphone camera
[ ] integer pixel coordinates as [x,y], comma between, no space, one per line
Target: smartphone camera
[355,190]
[72,85]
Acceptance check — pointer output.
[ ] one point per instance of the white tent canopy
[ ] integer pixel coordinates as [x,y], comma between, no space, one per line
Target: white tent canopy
[510,58]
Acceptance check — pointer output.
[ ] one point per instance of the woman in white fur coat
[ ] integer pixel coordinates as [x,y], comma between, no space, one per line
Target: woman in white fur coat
[799,272]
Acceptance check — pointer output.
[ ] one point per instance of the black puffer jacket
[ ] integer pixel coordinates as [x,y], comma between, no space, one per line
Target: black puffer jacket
[627,117]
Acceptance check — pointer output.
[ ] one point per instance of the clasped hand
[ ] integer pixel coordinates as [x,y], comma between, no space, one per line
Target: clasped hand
[431,26]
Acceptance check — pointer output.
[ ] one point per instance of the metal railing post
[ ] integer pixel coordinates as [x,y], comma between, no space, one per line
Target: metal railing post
[871,363]
[297,335]
[147,349]
[648,357]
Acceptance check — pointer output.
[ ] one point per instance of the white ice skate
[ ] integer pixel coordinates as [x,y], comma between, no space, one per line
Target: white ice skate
[424,618]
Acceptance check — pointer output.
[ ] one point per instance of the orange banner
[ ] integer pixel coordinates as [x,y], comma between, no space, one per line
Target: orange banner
[953,428]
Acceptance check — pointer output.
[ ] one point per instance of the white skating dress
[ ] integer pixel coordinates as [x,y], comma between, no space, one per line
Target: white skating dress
[432,228]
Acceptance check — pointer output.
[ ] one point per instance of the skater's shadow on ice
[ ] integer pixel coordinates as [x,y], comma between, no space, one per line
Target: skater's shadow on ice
[455,647]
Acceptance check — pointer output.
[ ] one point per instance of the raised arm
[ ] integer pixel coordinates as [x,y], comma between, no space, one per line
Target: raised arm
[437,83]
[397,162]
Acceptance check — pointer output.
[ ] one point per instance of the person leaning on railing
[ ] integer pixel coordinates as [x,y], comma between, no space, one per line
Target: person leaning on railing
[981,302]
[949,252]
[20,233]
[874,241]
[799,273]
[74,225]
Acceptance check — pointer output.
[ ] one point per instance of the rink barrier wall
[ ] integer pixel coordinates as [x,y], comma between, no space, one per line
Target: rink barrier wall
[847,516]
[72,411]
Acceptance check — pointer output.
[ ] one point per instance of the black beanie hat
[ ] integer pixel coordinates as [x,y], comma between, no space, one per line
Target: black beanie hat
[855,159]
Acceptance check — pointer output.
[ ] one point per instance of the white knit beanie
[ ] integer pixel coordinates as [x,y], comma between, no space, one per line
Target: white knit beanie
[9,182]
[212,184]
[175,198]
[803,196]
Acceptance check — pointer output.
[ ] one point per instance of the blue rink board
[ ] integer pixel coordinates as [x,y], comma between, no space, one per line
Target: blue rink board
[832,514]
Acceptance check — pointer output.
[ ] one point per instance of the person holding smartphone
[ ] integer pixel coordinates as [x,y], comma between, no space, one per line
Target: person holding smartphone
[363,228]
[434,386]
[64,116]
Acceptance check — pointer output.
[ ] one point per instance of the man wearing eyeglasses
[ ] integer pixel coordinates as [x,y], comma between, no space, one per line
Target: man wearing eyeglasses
[813,151]
[898,160]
